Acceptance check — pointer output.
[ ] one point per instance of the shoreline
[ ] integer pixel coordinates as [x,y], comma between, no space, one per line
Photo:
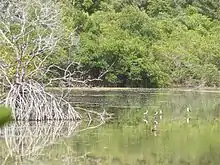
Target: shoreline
[128,89]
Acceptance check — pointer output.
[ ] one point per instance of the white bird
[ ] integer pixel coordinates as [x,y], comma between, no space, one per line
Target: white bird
[154,129]
[188,109]
[155,122]
[160,113]
[146,121]
[145,113]
[146,117]
[187,120]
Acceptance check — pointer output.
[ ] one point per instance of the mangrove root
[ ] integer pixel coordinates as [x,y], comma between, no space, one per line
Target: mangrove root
[29,101]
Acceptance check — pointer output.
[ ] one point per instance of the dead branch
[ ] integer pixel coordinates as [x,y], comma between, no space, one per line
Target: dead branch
[101,117]
[31,30]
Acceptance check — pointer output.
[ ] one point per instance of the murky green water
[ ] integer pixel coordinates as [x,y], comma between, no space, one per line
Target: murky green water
[126,139]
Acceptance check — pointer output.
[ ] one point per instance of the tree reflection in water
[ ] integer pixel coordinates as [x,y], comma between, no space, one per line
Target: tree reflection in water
[26,140]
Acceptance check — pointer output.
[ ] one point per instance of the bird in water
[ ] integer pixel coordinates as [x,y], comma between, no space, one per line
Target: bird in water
[146,113]
[154,126]
[160,114]
[188,110]
[154,129]
[146,117]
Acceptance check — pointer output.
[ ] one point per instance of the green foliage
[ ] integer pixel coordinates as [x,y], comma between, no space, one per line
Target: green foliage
[153,43]
[211,8]
[5,114]
[122,44]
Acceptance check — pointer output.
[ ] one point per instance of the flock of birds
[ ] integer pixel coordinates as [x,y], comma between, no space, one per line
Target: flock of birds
[158,115]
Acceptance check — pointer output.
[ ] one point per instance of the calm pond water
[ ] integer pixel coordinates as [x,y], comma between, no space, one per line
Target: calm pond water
[187,131]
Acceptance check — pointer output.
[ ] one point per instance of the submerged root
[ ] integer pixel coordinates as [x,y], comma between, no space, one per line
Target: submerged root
[29,101]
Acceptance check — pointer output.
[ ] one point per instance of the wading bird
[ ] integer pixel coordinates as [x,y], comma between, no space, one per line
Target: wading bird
[160,114]
[188,110]
[146,117]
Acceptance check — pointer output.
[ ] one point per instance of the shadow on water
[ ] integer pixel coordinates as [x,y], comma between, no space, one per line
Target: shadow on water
[127,139]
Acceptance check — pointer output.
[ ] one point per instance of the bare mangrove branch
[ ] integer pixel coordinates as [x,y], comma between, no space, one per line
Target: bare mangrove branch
[30,31]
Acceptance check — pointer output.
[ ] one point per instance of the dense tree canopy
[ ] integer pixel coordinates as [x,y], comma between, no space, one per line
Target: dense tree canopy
[143,43]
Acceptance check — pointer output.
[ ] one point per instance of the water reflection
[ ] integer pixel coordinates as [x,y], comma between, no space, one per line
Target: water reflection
[25,140]
[128,138]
